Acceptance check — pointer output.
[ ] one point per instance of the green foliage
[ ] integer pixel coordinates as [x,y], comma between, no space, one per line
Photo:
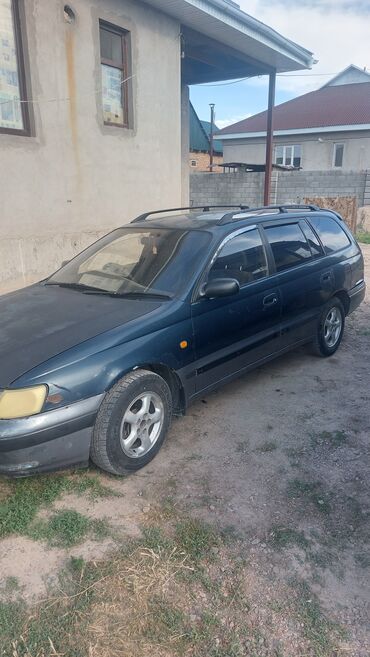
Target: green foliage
[364,238]
[196,538]
[27,496]
[311,491]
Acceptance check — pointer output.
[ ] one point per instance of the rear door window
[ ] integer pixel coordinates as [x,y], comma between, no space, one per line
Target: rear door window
[288,244]
[312,239]
[330,232]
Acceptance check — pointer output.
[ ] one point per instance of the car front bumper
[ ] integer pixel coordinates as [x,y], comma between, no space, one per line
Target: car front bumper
[48,441]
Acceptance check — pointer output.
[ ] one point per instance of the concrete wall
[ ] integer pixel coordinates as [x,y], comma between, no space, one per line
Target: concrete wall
[287,187]
[316,155]
[76,178]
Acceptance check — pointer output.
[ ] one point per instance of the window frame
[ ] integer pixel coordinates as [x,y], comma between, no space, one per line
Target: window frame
[337,143]
[22,78]
[285,147]
[197,294]
[278,224]
[125,69]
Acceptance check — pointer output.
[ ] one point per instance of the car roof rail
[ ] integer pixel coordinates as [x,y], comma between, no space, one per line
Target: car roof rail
[264,209]
[204,208]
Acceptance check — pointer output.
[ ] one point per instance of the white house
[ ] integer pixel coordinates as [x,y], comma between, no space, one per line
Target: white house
[94,112]
[321,130]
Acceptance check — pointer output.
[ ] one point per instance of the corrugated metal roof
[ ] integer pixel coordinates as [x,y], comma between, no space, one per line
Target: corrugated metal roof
[199,132]
[344,105]
[217,145]
[227,23]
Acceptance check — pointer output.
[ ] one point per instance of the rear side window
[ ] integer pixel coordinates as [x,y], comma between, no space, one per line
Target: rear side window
[314,244]
[331,233]
[289,245]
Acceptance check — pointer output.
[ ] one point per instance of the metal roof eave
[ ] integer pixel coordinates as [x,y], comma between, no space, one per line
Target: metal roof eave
[294,131]
[228,24]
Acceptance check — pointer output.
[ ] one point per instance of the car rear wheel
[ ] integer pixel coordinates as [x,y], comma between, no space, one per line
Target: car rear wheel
[132,423]
[330,328]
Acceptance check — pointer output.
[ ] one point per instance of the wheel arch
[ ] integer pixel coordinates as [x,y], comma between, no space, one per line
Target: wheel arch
[174,383]
[172,379]
[343,296]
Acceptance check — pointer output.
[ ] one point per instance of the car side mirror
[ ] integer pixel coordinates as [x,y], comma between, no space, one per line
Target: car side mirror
[221,287]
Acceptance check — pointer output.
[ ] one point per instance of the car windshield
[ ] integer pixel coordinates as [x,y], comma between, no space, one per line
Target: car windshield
[135,261]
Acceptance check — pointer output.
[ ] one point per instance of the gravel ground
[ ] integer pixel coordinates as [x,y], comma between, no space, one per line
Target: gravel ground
[277,459]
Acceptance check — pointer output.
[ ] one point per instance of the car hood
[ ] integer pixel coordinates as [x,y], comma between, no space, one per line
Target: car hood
[40,322]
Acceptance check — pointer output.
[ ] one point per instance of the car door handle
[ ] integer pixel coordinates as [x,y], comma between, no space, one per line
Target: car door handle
[270,300]
[326,277]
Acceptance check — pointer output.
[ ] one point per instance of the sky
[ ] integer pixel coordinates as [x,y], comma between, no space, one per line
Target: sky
[336,31]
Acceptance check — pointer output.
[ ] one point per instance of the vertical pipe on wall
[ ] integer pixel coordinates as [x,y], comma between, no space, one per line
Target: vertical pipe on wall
[269,137]
[211,139]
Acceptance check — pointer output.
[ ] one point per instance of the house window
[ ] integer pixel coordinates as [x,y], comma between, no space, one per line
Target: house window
[338,155]
[289,156]
[14,117]
[114,53]
[193,163]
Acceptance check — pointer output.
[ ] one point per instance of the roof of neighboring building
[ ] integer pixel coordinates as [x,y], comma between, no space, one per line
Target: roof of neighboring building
[217,145]
[343,105]
[349,75]
[200,132]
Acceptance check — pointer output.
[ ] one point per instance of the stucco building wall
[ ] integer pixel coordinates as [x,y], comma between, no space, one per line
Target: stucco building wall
[317,150]
[76,179]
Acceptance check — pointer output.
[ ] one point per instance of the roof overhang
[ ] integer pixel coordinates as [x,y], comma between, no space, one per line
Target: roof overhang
[223,22]
[295,131]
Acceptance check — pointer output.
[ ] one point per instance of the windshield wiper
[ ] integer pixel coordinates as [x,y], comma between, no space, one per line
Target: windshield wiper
[140,295]
[89,289]
[78,286]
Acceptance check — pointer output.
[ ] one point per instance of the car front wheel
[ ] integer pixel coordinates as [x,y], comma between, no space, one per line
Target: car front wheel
[132,423]
[330,328]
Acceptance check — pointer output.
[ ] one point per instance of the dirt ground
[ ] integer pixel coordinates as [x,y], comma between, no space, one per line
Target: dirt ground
[279,454]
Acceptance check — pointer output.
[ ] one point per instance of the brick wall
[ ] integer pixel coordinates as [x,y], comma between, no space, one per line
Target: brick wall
[287,187]
[202,162]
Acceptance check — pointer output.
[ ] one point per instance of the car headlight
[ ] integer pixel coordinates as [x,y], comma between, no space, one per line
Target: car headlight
[22,403]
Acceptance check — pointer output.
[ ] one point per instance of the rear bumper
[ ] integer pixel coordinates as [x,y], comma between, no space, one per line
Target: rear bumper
[48,441]
[356,296]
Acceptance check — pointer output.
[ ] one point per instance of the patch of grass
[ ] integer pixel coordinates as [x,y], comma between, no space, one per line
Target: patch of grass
[164,619]
[362,559]
[242,447]
[67,528]
[331,438]
[364,237]
[311,491]
[268,446]
[166,593]
[196,538]
[11,584]
[283,537]
[83,482]
[317,628]
[154,538]
[27,496]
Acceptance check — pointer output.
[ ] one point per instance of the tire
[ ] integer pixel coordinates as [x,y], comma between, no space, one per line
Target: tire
[329,329]
[132,423]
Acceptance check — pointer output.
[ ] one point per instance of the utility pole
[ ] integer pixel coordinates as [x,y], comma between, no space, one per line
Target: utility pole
[269,137]
[212,106]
